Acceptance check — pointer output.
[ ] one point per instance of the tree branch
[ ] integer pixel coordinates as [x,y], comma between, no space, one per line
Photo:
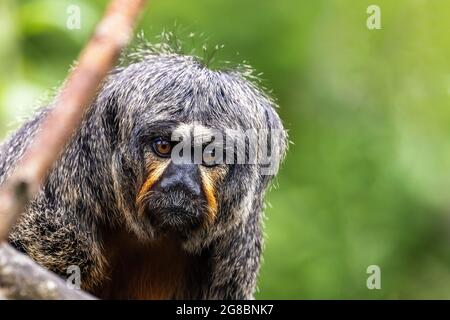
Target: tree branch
[19,276]
[22,278]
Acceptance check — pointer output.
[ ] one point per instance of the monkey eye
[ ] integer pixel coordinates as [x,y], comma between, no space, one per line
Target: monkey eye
[162,147]
[209,157]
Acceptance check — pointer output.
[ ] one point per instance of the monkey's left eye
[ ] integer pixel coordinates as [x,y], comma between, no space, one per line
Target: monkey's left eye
[209,158]
[162,147]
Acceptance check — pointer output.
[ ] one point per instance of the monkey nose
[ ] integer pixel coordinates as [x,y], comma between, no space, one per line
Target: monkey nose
[184,177]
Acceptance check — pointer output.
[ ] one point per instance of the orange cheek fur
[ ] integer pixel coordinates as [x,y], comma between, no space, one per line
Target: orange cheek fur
[209,181]
[155,169]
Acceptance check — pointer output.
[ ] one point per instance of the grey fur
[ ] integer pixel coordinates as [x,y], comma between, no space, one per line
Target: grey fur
[94,183]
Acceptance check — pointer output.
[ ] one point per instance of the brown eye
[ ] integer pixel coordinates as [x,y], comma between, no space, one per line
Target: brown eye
[162,147]
[209,157]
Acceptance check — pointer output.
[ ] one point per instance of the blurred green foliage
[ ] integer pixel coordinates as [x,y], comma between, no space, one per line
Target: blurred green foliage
[366,180]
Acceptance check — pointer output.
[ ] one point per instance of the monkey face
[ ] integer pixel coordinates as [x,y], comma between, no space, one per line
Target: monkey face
[154,105]
[179,194]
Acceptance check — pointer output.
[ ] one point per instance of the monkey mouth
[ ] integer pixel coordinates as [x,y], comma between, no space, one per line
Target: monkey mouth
[174,211]
[174,218]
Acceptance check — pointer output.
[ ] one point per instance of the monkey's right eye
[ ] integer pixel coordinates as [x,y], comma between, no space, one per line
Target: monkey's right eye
[162,147]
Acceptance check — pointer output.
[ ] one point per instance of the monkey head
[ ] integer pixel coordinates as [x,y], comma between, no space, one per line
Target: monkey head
[193,149]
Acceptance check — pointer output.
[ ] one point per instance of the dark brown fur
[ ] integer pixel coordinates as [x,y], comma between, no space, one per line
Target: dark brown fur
[158,270]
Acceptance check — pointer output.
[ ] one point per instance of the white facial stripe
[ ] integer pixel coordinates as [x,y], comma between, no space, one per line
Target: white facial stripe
[198,132]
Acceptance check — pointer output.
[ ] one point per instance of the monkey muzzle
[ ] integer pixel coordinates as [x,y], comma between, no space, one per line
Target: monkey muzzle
[176,201]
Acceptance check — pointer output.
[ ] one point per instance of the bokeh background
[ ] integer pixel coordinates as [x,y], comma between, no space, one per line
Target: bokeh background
[367,178]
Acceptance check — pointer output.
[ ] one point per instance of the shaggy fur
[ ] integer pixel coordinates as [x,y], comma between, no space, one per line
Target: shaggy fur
[88,203]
